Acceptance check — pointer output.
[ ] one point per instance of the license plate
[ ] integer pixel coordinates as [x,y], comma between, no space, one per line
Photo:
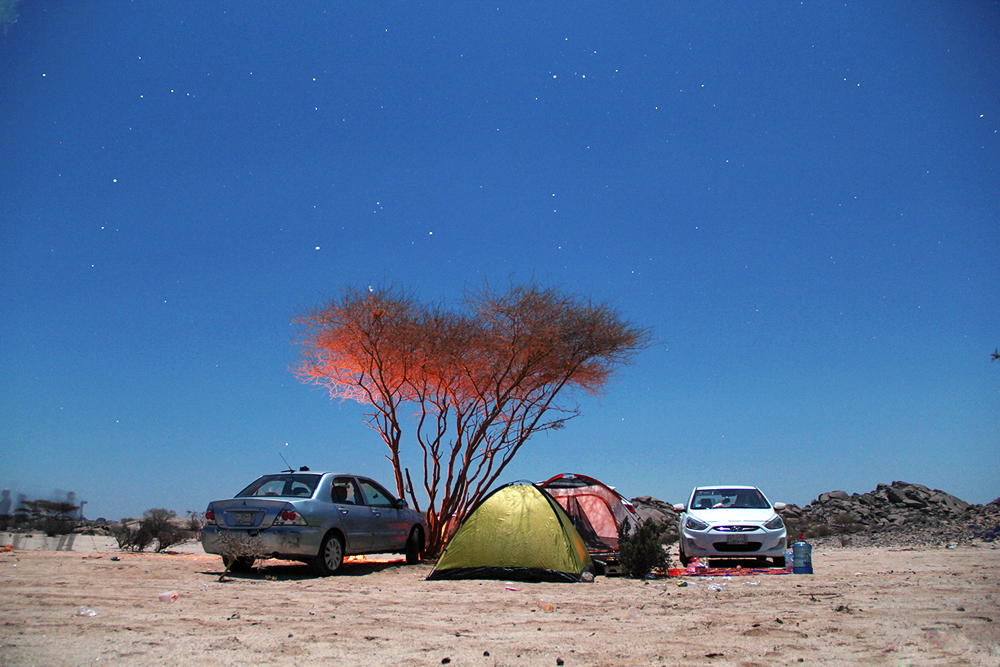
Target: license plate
[243,519]
[736,539]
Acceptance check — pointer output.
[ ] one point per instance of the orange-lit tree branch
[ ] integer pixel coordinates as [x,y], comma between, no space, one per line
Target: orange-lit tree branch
[479,383]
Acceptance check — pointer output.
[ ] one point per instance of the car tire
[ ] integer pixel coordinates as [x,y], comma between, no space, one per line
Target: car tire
[413,547]
[779,561]
[683,556]
[238,564]
[330,556]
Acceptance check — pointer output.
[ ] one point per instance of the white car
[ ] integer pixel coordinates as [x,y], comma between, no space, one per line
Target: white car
[731,522]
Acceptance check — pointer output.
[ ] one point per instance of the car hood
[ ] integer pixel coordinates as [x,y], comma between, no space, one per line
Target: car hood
[728,515]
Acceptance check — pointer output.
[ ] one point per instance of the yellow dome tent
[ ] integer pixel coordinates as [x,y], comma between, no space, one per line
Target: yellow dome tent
[516,532]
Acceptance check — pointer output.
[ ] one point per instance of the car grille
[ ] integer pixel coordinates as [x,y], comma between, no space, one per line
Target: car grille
[749,546]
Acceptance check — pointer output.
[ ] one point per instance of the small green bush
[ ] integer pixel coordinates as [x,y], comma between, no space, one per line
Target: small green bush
[641,553]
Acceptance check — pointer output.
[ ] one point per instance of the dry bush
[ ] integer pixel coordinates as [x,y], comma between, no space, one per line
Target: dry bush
[240,551]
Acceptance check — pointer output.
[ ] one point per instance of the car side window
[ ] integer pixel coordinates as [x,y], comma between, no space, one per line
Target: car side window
[376,495]
[345,491]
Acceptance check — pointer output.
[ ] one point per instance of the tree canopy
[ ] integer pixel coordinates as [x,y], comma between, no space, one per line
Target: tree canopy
[474,383]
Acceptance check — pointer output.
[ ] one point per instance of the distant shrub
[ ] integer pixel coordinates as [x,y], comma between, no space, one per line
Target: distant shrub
[642,552]
[52,517]
[123,536]
[157,525]
[195,520]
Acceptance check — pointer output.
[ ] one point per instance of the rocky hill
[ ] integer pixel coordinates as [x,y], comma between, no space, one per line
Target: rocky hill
[897,514]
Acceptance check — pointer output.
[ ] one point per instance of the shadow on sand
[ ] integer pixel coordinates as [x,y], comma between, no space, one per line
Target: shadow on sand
[292,570]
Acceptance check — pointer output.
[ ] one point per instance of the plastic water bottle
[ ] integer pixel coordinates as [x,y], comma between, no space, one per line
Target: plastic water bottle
[802,556]
[789,557]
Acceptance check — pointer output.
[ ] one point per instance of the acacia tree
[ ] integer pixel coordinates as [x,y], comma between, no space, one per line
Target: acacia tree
[475,384]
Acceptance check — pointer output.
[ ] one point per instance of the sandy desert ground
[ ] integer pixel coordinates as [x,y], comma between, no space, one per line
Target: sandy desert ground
[861,607]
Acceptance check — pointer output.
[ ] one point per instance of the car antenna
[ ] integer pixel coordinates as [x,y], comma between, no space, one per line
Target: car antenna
[290,469]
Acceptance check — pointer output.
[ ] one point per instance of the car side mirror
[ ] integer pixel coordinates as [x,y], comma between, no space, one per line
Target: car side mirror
[679,507]
[780,506]
[401,504]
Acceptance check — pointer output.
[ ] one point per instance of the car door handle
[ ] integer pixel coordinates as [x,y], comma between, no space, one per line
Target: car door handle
[376,513]
[343,511]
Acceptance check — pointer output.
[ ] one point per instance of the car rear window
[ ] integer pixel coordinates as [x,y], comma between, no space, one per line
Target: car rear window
[294,485]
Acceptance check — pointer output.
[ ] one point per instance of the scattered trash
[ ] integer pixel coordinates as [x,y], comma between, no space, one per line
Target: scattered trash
[115,558]
[204,587]
[510,586]
[169,596]
[85,611]
[681,583]
[952,546]
[716,587]
[752,583]
[696,566]
[545,606]
[587,577]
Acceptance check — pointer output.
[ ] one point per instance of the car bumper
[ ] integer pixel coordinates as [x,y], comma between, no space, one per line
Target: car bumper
[709,544]
[275,542]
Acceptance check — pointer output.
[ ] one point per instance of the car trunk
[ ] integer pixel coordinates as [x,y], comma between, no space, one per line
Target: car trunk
[247,513]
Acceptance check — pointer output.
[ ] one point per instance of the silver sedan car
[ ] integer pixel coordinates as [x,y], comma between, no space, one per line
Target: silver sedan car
[730,522]
[314,517]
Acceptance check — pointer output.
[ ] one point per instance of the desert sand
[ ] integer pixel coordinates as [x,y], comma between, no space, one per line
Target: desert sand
[861,607]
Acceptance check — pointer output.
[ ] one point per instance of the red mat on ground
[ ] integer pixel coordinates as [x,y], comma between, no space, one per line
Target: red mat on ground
[726,571]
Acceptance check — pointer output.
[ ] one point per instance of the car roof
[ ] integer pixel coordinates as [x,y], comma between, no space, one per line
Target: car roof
[316,472]
[724,486]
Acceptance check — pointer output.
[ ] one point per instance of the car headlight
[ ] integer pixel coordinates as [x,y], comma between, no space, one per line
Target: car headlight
[775,523]
[693,524]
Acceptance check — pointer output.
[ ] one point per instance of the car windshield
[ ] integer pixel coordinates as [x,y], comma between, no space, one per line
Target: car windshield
[294,485]
[750,499]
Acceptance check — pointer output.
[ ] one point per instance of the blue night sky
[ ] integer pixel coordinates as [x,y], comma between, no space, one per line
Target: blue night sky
[799,199]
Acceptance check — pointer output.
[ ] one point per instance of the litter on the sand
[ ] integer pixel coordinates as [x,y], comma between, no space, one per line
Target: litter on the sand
[725,571]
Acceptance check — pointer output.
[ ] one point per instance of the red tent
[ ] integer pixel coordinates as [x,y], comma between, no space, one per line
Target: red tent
[597,511]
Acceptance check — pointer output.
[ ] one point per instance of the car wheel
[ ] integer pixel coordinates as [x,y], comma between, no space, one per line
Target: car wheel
[683,556]
[413,547]
[779,561]
[330,557]
[238,564]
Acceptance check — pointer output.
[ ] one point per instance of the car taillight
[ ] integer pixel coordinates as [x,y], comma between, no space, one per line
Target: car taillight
[288,516]
[210,515]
